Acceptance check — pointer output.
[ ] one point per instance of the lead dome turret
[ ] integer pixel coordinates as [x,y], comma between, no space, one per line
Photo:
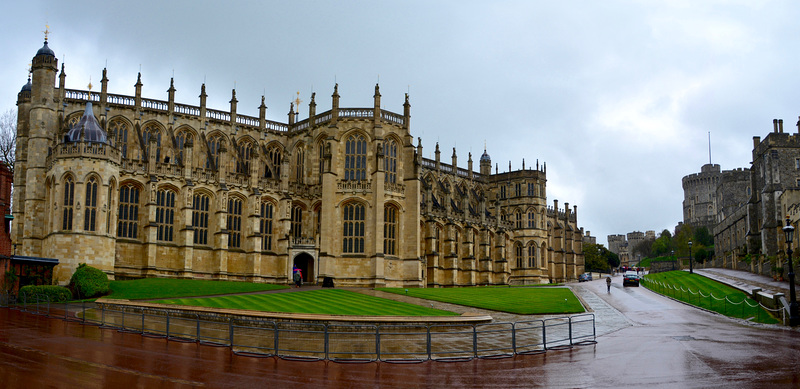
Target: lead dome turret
[87,129]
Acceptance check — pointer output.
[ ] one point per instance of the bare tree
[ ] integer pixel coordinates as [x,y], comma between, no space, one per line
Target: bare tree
[8,138]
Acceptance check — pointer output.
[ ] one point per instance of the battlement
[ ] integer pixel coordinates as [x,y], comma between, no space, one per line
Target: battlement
[78,98]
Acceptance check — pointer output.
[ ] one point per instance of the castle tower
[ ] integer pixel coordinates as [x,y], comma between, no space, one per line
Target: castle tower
[42,120]
[82,181]
[486,164]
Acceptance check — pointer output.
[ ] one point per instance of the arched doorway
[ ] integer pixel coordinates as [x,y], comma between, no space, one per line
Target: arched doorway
[305,263]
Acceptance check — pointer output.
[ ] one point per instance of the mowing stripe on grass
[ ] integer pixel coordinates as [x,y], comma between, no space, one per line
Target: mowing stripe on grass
[154,288]
[326,301]
[518,300]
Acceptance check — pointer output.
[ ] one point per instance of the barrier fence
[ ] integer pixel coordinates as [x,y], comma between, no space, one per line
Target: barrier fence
[745,309]
[309,341]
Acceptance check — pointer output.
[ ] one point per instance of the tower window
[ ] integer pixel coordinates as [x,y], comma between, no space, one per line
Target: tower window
[353,228]
[128,223]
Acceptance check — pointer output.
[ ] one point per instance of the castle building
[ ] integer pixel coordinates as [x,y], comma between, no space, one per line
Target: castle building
[756,201]
[700,197]
[149,188]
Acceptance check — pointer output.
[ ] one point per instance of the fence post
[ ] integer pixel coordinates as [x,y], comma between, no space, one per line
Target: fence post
[544,335]
[230,330]
[514,337]
[167,324]
[83,311]
[142,320]
[277,336]
[474,341]
[123,319]
[428,340]
[570,330]
[325,326]
[197,318]
[378,341]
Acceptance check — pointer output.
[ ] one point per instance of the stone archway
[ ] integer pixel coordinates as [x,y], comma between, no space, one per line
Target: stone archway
[305,262]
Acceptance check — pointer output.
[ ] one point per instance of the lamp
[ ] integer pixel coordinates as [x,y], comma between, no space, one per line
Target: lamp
[794,318]
[691,269]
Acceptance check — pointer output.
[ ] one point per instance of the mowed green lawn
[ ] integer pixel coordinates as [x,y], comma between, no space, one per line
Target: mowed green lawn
[518,300]
[714,297]
[154,288]
[324,301]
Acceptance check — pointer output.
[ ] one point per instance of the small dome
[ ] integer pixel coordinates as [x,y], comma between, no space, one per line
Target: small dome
[485,157]
[87,129]
[27,87]
[45,50]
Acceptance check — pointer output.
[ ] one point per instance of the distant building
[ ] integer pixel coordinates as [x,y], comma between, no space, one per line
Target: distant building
[588,238]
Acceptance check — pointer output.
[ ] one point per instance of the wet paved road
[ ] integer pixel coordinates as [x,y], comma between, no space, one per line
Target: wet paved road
[643,340]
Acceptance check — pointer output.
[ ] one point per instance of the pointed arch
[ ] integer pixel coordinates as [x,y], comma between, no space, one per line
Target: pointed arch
[266,221]
[355,156]
[129,204]
[353,223]
[273,157]
[184,136]
[236,206]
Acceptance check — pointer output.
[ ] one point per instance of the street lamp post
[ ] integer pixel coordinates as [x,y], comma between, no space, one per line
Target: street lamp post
[673,258]
[794,318]
[691,268]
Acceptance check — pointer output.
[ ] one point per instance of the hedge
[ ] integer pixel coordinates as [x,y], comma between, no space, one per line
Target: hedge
[88,282]
[54,293]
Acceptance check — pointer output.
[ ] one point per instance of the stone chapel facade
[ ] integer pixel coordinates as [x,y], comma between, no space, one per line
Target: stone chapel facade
[147,188]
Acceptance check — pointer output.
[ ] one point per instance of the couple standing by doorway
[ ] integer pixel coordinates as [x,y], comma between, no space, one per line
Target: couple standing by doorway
[297,276]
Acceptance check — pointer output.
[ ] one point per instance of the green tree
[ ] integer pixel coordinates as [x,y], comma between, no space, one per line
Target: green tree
[598,258]
[663,244]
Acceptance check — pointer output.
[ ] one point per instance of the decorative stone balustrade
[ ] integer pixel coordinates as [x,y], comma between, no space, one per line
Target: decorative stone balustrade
[353,186]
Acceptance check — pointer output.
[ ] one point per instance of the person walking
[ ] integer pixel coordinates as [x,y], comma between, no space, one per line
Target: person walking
[297,277]
[608,283]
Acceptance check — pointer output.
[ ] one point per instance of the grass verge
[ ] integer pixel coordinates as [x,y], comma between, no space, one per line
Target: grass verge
[706,293]
[518,300]
[325,301]
[154,288]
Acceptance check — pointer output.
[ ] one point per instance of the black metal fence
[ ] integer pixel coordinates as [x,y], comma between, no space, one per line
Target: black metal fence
[308,341]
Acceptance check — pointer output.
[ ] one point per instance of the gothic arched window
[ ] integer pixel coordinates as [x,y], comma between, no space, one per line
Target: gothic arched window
[165,214]
[69,203]
[355,158]
[152,132]
[296,229]
[214,144]
[390,230]
[128,223]
[390,160]
[273,166]
[265,224]
[234,222]
[200,211]
[353,228]
[90,214]
[245,153]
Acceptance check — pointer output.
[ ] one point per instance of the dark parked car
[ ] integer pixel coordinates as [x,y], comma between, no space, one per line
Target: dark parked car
[630,278]
[585,277]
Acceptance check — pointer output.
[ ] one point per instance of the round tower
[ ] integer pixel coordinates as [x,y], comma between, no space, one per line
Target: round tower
[82,181]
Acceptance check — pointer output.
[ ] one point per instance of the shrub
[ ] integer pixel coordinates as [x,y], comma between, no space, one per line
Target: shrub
[88,282]
[54,293]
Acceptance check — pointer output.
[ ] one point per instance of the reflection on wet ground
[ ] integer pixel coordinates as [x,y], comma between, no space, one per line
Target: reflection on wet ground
[643,339]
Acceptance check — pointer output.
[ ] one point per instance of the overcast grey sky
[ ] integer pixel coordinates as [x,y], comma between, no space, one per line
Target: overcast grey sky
[617,97]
